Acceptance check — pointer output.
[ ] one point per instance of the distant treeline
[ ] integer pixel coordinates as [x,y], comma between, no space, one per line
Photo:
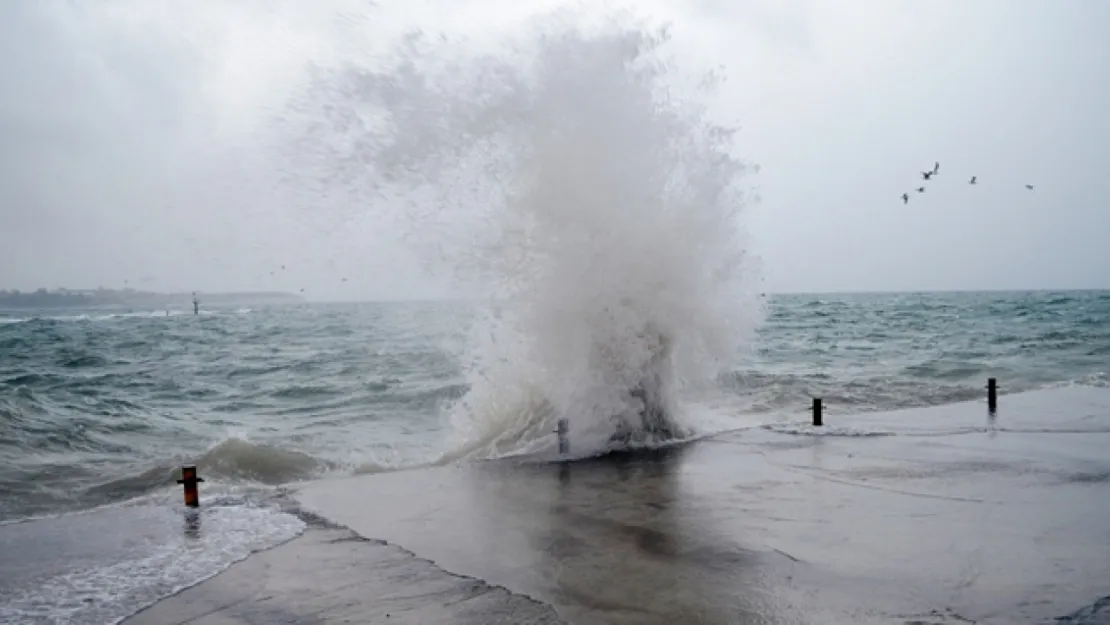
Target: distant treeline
[130,298]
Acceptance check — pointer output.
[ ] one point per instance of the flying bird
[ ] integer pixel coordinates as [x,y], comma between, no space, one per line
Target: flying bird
[973,179]
[905,198]
[1029,186]
[926,175]
[921,189]
[936,167]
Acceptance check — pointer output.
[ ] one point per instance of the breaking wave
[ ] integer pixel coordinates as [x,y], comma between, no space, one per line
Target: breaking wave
[571,177]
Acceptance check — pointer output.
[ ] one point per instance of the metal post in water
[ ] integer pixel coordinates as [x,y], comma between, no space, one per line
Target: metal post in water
[817,421]
[190,480]
[992,395]
[561,429]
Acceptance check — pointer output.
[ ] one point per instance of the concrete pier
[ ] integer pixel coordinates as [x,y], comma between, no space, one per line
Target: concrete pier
[926,516]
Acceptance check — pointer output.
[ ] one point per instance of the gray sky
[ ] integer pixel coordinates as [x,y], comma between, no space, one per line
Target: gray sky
[119,157]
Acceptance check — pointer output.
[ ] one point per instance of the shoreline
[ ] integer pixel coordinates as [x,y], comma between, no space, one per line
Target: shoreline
[950,516]
[353,579]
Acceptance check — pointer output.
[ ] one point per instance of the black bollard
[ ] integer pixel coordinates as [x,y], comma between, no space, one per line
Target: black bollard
[562,429]
[817,420]
[189,479]
[992,395]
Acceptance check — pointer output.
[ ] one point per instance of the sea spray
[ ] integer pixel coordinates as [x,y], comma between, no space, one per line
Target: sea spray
[572,178]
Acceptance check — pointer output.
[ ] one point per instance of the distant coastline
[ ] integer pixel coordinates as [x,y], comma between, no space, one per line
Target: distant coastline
[131,298]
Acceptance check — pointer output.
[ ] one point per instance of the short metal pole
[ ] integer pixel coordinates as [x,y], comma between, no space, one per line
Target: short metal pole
[817,420]
[190,480]
[562,429]
[992,395]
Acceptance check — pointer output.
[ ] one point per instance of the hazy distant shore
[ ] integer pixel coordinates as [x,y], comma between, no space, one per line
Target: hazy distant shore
[130,298]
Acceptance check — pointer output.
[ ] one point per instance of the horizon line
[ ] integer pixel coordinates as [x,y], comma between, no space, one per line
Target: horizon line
[307,298]
[768,293]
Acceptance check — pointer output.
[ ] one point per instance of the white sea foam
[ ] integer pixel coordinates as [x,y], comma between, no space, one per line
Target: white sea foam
[103,565]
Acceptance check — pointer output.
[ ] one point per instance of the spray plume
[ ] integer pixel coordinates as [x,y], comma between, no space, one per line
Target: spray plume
[570,178]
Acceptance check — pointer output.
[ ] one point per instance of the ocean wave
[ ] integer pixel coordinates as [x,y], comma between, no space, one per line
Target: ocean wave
[140,399]
[239,459]
[925,384]
[1099,379]
[231,460]
[769,392]
[112,316]
[304,391]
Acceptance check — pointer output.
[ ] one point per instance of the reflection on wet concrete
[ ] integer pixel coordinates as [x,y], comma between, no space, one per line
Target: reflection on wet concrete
[330,575]
[619,546]
[919,526]
[192,523]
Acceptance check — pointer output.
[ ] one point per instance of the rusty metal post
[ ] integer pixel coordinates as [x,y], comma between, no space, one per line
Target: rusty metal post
[190,480]
[817,420]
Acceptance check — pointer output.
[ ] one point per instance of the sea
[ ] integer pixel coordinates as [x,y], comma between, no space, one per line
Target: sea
[99,409]
[576,173]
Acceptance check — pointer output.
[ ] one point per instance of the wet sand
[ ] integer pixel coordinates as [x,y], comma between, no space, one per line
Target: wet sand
[939,515]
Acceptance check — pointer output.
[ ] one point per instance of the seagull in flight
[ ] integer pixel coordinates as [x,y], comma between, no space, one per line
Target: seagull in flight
[905,198]
[973,179]
[927,174]
[936,168]
[1029,186]
[921,189]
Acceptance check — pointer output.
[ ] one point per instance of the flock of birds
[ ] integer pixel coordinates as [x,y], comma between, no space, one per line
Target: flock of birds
[929,174]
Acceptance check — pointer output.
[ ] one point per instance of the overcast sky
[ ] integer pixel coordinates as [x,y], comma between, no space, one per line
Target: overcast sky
[119,159]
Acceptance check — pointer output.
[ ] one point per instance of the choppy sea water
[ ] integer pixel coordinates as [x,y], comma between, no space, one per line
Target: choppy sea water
[97,409]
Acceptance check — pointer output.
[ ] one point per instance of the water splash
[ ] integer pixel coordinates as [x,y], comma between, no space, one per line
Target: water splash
[572,177]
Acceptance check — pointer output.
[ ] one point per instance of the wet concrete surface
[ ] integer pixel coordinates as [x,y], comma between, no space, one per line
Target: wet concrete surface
[332,575]
[963,522]
[921,517]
